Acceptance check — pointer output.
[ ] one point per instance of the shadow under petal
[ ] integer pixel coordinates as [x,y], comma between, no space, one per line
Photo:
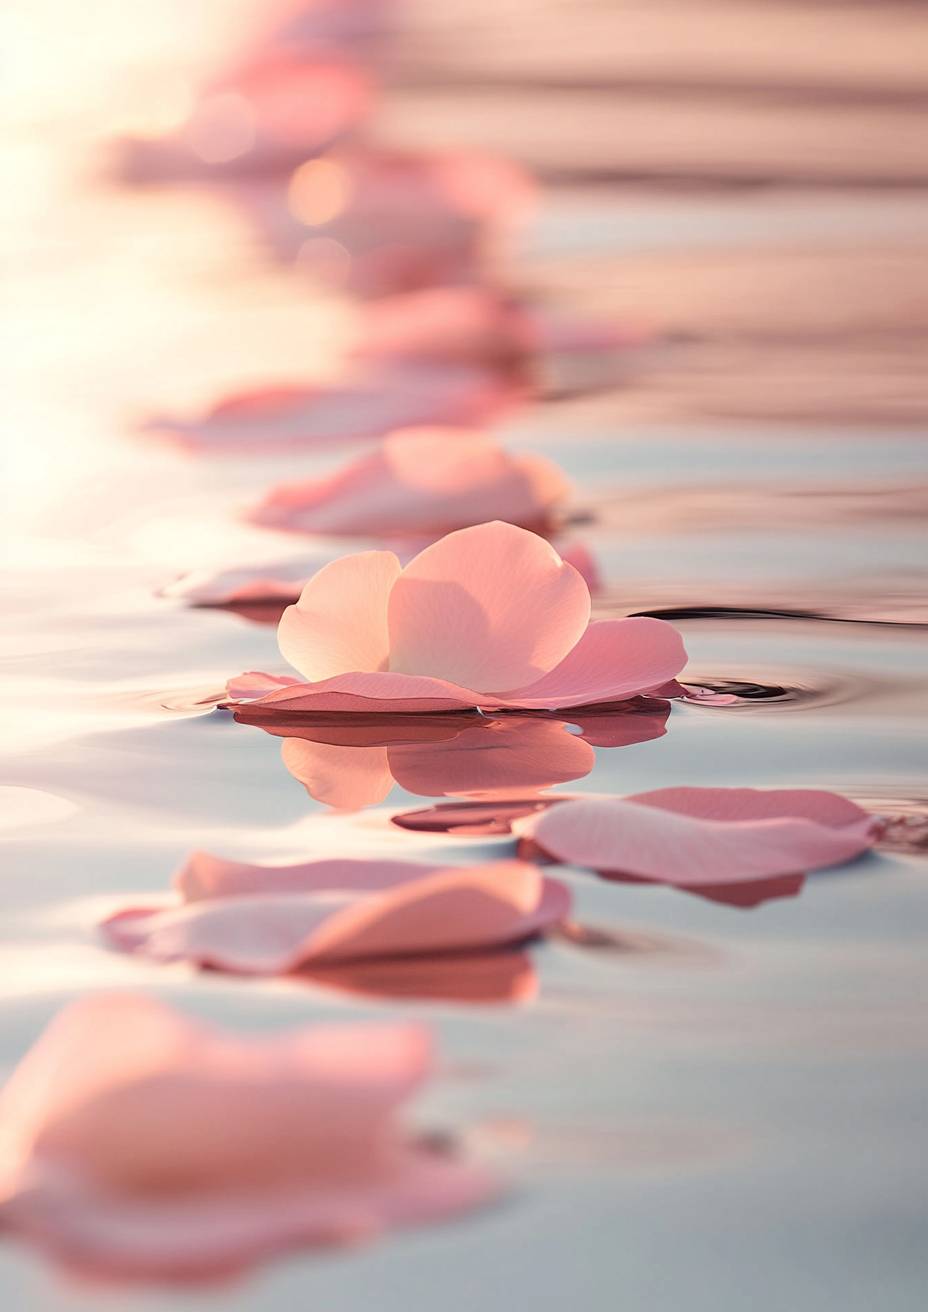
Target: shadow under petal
[477,978]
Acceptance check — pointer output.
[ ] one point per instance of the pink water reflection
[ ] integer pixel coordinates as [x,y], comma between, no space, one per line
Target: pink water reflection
[350,762]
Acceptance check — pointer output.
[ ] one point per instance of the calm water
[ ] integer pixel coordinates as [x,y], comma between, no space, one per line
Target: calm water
[700,1105]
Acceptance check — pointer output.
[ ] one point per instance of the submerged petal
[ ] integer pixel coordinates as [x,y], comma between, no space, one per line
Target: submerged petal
[339,623]
[488,607]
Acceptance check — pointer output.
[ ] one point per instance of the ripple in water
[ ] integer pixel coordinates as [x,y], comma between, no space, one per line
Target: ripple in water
[802,691]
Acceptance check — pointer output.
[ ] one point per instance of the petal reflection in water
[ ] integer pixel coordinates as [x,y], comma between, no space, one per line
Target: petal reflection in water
[353,761]
[746,895]
[475,978]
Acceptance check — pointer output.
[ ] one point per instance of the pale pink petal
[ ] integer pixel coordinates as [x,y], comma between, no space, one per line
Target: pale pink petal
[97,1042]
[109,1237]
[614,660]
[487,607]
[583,561]
[257,684]
[137,1144]
[483,185]
[451,910]
[444,323]
[369,694]
[436,910]
[426,481]
[701,842]
[339,623]
[759,804]
[278,581]
[370,406]
[204,876]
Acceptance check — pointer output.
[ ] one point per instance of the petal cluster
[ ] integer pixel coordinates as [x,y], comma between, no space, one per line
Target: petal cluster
[488,616]
[135,1143]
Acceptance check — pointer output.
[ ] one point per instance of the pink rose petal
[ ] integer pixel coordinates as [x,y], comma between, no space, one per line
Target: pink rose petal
[340,621]
[465,324]
[426,481]
[453,611]
[703,836]
[256,684]
[395,913]
[135,1144]
[613,660]
[369,694]
[369,406]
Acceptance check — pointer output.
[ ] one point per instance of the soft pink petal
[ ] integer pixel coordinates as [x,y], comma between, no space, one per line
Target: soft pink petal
[257,684]
[110,1237]
[487,607]
[436,910]
[583,561]
[369,694]
[339,623]
[379,402]
[204,876]
[640,837]
[444,323]
[139,1144]
[613,660]
[759,804]
[425,481]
